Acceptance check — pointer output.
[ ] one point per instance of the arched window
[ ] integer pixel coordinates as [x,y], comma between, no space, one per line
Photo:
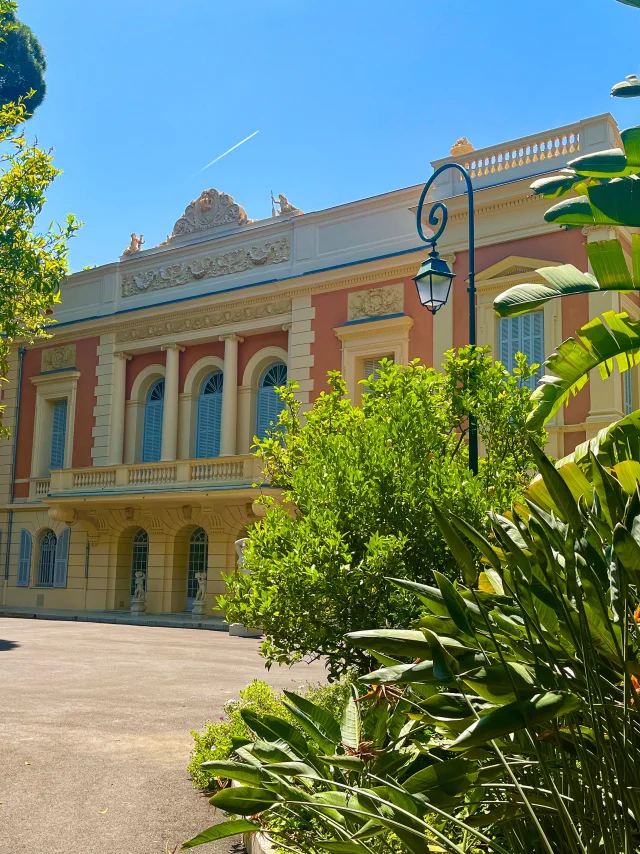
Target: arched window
[47,559]
[209,416]
[269,404]
[152,435]
[139,558]
[198,562]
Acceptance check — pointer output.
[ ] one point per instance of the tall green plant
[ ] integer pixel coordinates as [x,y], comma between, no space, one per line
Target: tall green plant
[363,480]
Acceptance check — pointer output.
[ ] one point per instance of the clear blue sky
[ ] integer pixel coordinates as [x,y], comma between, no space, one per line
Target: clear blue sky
[351,98]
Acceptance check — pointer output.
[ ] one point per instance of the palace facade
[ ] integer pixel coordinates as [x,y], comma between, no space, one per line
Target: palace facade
[132,425]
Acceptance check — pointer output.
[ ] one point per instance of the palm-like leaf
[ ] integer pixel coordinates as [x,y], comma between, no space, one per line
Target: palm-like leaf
[598,344]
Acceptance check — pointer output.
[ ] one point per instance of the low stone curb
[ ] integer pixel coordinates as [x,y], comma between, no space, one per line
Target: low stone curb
[257,843]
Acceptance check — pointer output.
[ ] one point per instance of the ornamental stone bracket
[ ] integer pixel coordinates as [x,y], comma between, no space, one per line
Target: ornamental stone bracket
[376,302]
[228,263]
[206,320]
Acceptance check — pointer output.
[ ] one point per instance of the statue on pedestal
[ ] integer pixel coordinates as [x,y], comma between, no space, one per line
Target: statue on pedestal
[138,603]
[284,204]
[200,605]
[135,246]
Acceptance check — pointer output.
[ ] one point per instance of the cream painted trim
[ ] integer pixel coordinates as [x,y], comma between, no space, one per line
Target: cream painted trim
[144,380]
[259,361]
[370,340]
[197,373]
[51,387]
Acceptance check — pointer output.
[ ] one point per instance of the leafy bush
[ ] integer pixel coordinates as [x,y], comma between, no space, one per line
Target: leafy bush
[363,481]
[215,742]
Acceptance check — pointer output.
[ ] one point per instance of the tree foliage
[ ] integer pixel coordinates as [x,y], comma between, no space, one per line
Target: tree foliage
[363,481]
[33,262]
[22,62]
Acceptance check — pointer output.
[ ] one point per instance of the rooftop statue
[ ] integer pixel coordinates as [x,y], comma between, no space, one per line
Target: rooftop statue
[461,146]
[284,204]
[135,245]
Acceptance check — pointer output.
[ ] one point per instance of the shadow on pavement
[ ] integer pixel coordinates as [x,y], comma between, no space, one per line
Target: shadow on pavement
[6,645]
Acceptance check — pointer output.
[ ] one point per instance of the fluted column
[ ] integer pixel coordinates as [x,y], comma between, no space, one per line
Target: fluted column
[170,410]
[118,394]
[229,395]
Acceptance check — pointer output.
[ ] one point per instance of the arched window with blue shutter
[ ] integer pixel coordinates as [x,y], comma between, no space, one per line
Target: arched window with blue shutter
[522,334]
[269,403]
[209,416]
[24,558]
[47,559]
[152,434]
[58,434]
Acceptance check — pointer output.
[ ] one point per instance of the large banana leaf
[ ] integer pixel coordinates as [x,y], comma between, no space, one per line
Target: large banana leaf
[610,273]
[614,337]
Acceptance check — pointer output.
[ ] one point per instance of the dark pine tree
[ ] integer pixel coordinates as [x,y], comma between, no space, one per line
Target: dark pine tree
[23,65]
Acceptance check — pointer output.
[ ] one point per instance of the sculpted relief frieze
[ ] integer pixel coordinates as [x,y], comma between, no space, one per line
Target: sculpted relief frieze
[211,209]
[376,302]
[210,320]
[58,358]
[208,267]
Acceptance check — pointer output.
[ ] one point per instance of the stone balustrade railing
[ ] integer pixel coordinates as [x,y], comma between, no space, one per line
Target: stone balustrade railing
[527,156]
[243,470]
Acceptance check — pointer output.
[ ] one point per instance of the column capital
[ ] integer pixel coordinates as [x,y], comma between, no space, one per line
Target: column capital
[286,327]
[177,347]
[231,336]
[596,232]
[120,354]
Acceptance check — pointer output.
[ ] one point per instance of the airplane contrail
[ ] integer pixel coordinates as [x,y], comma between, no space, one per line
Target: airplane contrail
[228,151]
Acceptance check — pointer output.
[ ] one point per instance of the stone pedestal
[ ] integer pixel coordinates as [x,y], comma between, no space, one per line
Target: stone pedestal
[138,607]
[199,611]
[237,630]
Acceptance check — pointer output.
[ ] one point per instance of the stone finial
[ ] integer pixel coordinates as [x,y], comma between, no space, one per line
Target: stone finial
[461,146]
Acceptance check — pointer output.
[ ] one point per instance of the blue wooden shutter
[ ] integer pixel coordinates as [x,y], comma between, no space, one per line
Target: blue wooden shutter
[62,559]
[24,559]
[152,434]
[209,422]
[269,404]
[523,334]
[58,434]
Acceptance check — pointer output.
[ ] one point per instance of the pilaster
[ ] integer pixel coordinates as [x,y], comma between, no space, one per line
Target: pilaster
[301,338]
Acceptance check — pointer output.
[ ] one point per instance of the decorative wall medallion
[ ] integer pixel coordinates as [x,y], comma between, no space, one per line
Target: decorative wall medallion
[58,358]
[208,267]
[211,210]
[376,302]
[209,320]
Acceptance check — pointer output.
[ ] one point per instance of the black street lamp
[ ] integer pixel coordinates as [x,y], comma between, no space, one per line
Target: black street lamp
[434,277]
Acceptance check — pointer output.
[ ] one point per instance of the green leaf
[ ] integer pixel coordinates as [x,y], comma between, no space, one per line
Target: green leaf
[447,707]
[453,777]
[495,683]
[230,770]
[350,728]
[609,265]
[455,604]
[627,550]
[558,489]
[343,847]
[444,665]
[222,831]
[501,722]
[601,164]
[349,763]
[317,722]
[401,643]
[244,800]
[291,769]
[459,550]
[271,728]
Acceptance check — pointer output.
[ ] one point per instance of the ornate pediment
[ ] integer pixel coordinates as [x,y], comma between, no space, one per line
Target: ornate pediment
[211,210]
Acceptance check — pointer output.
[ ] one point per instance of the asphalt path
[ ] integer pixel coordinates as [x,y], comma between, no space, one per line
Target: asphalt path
[95,725]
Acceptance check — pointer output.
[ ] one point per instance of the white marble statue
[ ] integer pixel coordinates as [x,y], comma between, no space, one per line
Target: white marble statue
[201,578]
[139,591]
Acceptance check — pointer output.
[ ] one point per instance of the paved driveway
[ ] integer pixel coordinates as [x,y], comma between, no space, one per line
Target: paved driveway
[94,732]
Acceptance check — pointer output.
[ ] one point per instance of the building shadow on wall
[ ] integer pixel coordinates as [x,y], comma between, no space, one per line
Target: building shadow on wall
[6,645]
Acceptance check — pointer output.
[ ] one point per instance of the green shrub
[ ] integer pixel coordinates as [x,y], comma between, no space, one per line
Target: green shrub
[215,740]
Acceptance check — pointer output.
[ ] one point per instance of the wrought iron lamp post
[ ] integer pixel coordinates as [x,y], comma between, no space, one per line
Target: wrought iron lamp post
[434,277]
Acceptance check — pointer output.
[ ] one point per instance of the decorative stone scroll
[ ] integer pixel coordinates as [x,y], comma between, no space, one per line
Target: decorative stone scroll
[208,320]
[211,210]
[207,267]
[376,302]
[58,358]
